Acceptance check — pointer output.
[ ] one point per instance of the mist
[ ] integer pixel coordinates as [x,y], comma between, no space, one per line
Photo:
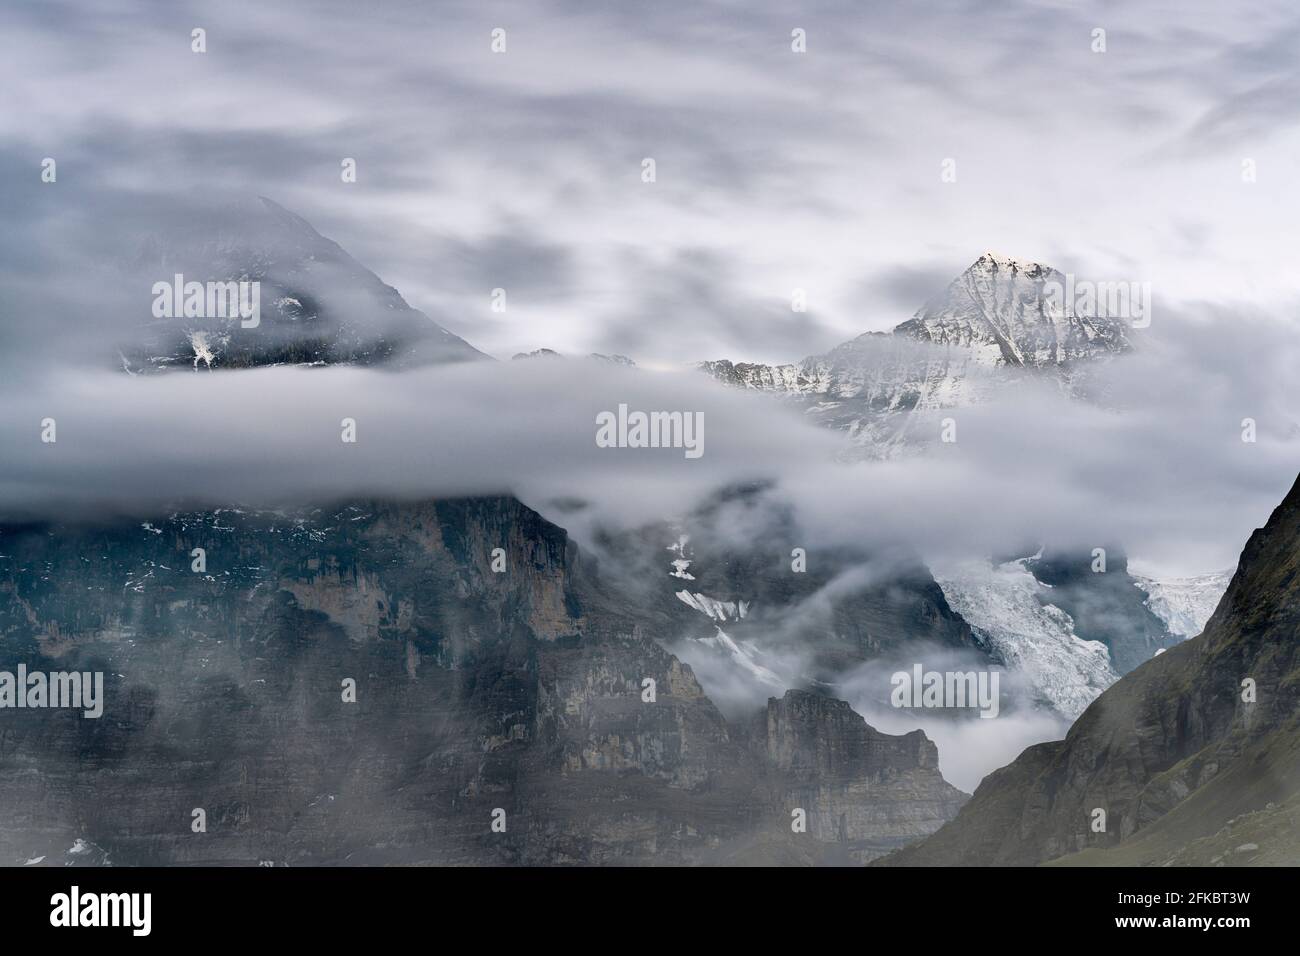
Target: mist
[1161,469]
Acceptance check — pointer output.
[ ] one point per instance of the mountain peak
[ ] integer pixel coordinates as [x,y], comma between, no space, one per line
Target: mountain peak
[1002,320]
[993,261]
[1001,309]
[316,304]
[288,219]
[621,360]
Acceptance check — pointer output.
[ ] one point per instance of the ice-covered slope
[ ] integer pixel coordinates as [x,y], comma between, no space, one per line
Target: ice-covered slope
[995,325]
[1185,604]
[1010,609]
[1019,617]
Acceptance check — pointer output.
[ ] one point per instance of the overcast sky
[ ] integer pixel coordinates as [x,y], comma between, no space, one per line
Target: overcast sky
[775,170]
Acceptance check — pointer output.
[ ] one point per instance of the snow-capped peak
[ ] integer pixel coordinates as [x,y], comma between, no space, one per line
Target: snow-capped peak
[1007,313]
[995,260]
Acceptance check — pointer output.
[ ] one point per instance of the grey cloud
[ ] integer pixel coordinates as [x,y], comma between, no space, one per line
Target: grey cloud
[776,172]
[1166,474]
[820,165]
[694,303]
[906,288]
[1248,119]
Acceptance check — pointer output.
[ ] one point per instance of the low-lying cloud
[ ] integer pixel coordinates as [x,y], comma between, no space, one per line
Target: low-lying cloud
[1161,469]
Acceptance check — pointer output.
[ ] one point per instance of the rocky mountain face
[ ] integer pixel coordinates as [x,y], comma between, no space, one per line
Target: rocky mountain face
[766,378]
[1194,757]
[523,690]
[864,791]
[317,305]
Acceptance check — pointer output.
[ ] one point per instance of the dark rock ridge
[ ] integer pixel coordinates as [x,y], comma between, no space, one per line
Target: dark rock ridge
[475,690]
[1188,767]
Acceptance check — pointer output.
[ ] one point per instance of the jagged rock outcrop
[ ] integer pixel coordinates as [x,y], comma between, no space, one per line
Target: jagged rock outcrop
[867,791]
[767,378]
[1193,746]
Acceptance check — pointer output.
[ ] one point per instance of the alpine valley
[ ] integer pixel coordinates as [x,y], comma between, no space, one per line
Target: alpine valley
[380,681]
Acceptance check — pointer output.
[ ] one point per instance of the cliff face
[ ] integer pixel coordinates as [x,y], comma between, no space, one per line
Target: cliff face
[867,791]
[1192,747]
[534,690]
